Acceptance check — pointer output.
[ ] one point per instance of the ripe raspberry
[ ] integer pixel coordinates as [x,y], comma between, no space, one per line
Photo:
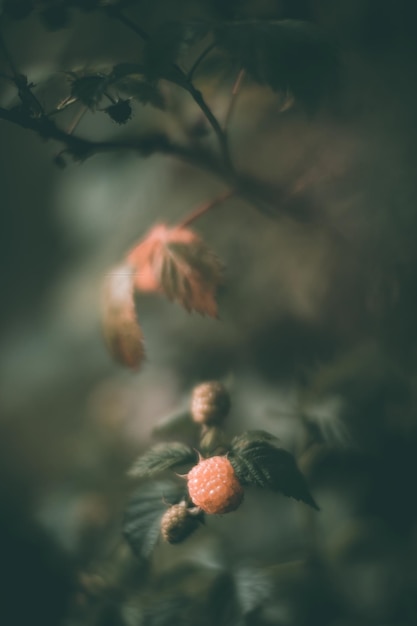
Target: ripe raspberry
[178,523]
[213,485]
[210,403]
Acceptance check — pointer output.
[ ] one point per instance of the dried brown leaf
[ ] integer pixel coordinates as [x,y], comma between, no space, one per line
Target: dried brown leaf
[121,330]
[177,262]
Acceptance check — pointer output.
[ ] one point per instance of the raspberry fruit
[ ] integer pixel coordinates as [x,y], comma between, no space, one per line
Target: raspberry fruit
[214,487]
[210,403]
[178,523]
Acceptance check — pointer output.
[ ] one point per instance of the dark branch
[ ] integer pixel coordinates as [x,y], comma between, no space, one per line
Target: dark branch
[267,197]
[116,13]
[212,119]
[82,148]
[199,59]
[180,78]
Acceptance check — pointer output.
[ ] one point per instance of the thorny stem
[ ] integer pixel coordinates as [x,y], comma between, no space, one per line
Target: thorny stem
[199,59]
[64,104]
[235,92]
[110,97]
[77,119]
[206,207]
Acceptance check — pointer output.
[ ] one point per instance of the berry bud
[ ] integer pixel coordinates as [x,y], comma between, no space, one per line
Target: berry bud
[210,403]
[178,523]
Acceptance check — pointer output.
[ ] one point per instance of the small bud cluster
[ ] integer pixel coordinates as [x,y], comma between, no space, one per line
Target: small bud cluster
[210,403]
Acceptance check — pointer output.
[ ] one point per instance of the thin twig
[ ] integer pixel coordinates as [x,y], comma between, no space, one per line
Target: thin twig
[115,12]
[73,125]
[177,76]
[63,104]
[266,197]
[212,119]
[84,148]
[199,59]
[206,207]
[235,92]
[77,119]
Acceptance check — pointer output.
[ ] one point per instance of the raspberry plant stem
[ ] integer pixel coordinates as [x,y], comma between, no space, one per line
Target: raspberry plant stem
[235,92]
[180,78]
[199,59]
[205,208]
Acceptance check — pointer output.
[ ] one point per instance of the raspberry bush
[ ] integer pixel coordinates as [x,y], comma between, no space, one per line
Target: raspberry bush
[228,190]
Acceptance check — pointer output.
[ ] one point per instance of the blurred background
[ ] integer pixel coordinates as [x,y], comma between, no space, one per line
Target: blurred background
[316,337]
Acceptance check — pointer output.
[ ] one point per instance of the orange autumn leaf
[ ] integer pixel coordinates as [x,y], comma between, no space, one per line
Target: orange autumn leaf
[121,330]
[177,262]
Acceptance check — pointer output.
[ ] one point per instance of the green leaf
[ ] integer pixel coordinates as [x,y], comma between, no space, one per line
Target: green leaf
[141,524]
[259,463]
[240,442]
[161,457]
[287,55]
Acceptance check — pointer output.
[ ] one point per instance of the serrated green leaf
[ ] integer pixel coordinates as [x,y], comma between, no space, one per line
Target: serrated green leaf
[161,457]
[240,442]
[141,524]
[287,55]
[261,464]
